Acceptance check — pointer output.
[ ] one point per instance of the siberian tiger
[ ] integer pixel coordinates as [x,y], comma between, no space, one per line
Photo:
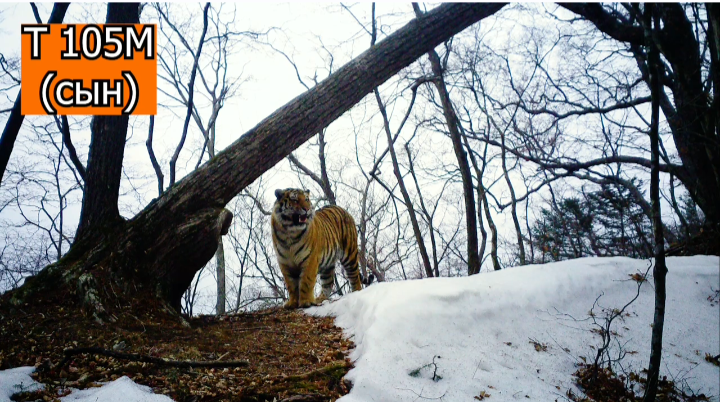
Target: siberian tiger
[308,243]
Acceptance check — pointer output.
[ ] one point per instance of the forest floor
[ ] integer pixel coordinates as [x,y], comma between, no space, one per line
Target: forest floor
[290,356]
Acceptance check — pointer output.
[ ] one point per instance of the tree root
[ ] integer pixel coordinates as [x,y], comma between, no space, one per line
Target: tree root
[69,353]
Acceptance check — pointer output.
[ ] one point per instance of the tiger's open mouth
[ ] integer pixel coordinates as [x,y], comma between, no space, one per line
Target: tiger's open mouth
[297,219]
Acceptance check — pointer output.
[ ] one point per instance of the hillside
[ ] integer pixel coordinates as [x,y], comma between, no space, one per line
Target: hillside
[519,333]
[515,334]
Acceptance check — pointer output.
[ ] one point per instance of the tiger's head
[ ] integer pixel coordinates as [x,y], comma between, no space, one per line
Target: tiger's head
[293,208]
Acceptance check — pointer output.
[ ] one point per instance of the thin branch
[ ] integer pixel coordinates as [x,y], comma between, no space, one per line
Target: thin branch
[150,359]
[65,127]
[153,159]
[191,93]
[36,13]
[584,111]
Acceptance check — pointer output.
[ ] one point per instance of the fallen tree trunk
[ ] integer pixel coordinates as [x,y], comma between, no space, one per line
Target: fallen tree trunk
[158,252]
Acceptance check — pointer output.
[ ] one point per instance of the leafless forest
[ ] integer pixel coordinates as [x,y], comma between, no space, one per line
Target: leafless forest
[524,139]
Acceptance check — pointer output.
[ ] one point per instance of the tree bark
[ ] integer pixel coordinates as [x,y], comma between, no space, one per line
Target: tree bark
[480,197]
[659,269]
[160,250]
[493,231]
[107,149]
[15,120]
[220,265]
[220,252]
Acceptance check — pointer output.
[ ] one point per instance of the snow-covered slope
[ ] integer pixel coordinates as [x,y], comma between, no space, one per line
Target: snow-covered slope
[482,327]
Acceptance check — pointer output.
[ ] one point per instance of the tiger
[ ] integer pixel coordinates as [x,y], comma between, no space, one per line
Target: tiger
[309,242]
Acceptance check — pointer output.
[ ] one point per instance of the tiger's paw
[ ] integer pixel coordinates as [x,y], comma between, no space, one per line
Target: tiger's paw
[307,303]
[290,304]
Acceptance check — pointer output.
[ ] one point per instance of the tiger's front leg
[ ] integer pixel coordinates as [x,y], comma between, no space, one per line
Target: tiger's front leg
[291,283]
[308,277]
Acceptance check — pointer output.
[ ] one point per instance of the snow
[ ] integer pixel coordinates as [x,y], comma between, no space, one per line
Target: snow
[478,331]
[17,380]
[123,389]
[481,328]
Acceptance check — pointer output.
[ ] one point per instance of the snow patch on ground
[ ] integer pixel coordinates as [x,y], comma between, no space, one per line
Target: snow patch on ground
[17,380]
[123,389]
[482,327]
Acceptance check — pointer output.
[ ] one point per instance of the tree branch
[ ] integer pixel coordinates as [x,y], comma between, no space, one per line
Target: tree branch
[279,134]
[36,13]
[584,111]
[191,93]
[608,24]
[305,169]
[15,120]
[153,159]
[150,359]
[65,127]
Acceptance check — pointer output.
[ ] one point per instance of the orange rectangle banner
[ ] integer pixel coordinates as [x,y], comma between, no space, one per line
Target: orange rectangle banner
[75,69]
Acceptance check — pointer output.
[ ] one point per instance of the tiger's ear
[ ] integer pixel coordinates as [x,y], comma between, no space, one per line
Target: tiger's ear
[307,192]
[279,193]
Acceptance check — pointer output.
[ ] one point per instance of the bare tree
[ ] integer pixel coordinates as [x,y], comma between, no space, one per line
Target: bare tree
[322,179]
[153,158]
[483,205]
[651,25]
[191,83]
[691,74]
[454,128]
[218,84]
[427,214]
[260,282]
[15,120]
[104,170]
[40,183]
[401,184]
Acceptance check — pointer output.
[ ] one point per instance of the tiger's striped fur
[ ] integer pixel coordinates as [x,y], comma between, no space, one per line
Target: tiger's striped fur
[308,243]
